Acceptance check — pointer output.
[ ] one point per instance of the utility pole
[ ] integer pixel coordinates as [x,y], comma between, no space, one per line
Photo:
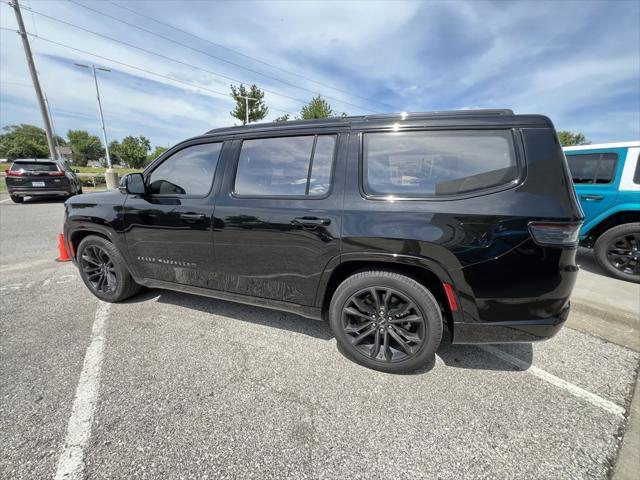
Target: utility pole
[246,107]
[53,127]
[111,176]
[34,77]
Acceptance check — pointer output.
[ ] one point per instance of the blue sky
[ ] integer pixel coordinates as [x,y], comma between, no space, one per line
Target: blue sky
[576,61]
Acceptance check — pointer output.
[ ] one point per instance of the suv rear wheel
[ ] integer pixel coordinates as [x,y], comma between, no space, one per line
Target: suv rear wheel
[103,270]
[16,199]
[617,251]
[386,321]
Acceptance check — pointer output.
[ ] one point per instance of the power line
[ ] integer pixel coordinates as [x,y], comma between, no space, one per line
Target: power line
[151,52]
[236,52]
[194,85]
[204,52]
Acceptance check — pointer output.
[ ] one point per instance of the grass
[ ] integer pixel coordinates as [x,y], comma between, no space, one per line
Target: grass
[96,170]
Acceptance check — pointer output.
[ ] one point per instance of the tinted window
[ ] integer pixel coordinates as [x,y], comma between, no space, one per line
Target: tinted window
[320,179]
[593,167]
[187,172]
[281,166]
[34,167]
[636,175]
[437,163]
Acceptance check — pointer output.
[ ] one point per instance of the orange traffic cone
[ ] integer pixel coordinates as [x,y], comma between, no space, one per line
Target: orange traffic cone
[62,248]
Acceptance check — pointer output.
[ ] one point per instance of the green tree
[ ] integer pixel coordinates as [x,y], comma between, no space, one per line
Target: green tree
[23,141]
[155,154]
[133,151]
[283,118]
[569,138]
[84,147]
[257,108]
[316,108]
[114,147]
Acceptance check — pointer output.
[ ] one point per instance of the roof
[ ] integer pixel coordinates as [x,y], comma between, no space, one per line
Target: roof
[455,116]
[596,146]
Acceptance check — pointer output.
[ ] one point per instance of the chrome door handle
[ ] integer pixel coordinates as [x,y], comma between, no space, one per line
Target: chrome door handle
[311,221]
[192,217]
[592,198]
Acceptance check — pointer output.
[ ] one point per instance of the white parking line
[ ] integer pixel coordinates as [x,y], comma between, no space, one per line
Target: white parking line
[71,462]
[558,382]
[5,200]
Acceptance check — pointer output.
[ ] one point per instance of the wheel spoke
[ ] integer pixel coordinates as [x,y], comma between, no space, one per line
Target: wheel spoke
[376,298]
[410,319]
[361,305]
[357,328]
[351,311]
[90,260]
[388,355]
[385,300]
[404,345]
[376,345]
[408,336]
[357,340]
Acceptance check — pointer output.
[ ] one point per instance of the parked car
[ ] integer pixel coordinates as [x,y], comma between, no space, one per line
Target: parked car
[392,227]
[607,180]
[37,177]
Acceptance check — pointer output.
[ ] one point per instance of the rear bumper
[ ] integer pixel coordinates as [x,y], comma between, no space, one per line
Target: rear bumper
[509,331]
[33,192]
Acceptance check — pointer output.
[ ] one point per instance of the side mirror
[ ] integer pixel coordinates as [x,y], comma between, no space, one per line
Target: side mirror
[133,183]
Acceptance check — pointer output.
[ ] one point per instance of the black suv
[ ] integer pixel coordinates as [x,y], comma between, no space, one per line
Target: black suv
[391,227]
[35,177]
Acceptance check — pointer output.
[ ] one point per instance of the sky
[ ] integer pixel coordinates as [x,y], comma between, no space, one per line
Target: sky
[577,62]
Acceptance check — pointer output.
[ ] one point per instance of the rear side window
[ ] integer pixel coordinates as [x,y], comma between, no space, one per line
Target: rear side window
[285,166]
[34,167]
[187,172]
[636,175]
[437,163]
[593,167]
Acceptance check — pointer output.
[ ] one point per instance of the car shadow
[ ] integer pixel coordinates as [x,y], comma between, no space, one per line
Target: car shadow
[586,261]
[457,356]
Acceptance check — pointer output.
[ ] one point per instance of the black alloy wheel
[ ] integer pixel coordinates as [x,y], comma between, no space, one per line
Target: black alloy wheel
[383,324]
[99,269]
[623,253]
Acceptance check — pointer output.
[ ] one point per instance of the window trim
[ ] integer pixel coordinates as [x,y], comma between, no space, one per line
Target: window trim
[518,151]
[315,136]
[169,154]
[595,175]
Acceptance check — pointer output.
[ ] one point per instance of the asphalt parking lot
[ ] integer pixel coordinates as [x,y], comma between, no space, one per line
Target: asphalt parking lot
[186,387]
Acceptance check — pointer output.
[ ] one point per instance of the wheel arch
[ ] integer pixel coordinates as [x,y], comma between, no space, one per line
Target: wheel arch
[427,272]
[612,220]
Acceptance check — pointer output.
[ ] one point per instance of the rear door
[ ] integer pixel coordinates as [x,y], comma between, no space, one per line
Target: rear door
[278,217]
[596,176]
[169,229]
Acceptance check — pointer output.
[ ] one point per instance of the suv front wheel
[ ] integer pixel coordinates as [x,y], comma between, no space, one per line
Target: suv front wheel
[103,270]
[386,321]
[617,251]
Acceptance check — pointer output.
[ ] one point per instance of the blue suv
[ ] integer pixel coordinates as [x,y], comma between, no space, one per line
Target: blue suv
[607,181]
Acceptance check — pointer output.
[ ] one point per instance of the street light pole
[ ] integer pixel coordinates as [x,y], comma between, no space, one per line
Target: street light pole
[34,77]
[111,176]
[246,107]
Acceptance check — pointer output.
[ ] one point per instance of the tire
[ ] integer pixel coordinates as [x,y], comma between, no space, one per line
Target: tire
[103,270]
[617,251]
[421,336]
[16,199]
[79,192]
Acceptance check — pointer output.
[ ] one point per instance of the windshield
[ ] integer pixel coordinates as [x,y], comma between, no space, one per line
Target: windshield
[34,167]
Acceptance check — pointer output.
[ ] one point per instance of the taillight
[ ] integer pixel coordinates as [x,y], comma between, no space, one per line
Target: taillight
[14,173]
[59,173]
[556,234]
